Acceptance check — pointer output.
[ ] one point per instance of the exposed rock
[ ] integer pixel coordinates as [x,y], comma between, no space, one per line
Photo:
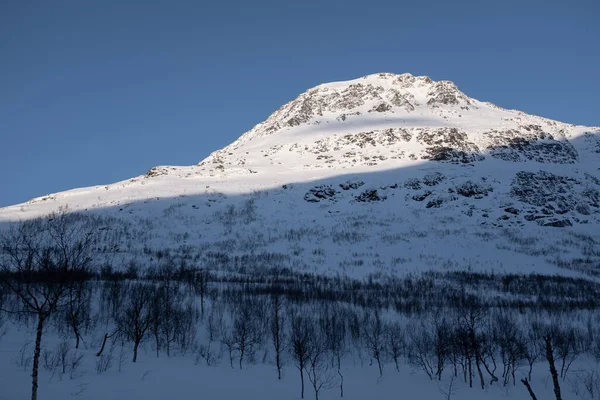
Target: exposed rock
[351,185]
[445,92]
[319,193]
[557,223]
[435,203]
[433,178]
[473,189]
[544,189]
[370,195]
[421,196]
[413,184]
[448,144]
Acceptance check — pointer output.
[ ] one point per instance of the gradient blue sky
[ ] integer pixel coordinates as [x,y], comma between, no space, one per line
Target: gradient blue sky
[93,92]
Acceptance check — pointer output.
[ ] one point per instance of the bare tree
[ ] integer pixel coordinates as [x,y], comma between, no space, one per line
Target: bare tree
[136,317]
[78,309]
[394,336]
[277,325]
[548,342]
[333,329]
[472,320]
[318,367]
[40,260]
[214,324]
[246,334]
[300,336]
[373,334]
[529,389]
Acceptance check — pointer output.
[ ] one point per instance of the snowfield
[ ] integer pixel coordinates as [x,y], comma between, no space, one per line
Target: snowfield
[407,145]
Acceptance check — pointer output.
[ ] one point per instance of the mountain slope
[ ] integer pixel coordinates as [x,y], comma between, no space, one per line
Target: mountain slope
[385,174]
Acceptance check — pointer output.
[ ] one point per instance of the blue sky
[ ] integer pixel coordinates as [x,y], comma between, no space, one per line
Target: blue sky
[93,92]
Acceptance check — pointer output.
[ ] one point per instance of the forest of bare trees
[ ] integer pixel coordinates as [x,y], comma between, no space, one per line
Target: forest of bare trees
[440,323]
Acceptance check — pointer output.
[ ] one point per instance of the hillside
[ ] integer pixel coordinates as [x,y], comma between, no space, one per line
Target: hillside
[383,175]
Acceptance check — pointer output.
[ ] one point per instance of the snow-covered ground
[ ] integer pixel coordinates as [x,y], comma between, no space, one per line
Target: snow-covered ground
[385,174]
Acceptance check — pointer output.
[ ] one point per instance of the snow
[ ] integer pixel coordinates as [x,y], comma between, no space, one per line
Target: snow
[249,198]
[326,149]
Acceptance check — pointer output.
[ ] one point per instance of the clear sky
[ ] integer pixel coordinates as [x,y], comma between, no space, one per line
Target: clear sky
[93,92]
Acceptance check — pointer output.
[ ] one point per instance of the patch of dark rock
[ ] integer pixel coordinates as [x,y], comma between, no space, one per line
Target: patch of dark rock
[593,196]
[319,193]
[544,189]
[558,223]
[421,196]
[351,185]
[413,184]
[370,195]
[383,107]
[436,203]
[533,217]
[511,210]
[433,179]
[473,189]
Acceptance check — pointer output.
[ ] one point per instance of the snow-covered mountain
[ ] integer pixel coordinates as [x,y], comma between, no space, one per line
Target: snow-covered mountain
[385,174]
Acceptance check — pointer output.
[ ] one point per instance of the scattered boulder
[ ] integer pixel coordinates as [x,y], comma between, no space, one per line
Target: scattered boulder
[413,184]
[319,193]
[433,179]
[473,189]
[421,196]
[370,195]
[435,203]
[351,185]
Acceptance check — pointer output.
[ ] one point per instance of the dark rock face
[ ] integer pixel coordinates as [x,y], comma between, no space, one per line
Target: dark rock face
[383,107]
[448,144]
[413,184]
[421,196]
[351,185]
[530,143]
[433,179]
[370,196]
[384,137]
[446,93]
[557,223]
[544,189]
[320,193]
[473,189]
[156,171]
[435,203]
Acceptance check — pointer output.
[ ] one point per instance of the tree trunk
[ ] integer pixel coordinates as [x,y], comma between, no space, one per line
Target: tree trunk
[341,383]
[36,357]
[553,372]
[103,344]
[135,350]
[157,339]
[526,383]
[301,368]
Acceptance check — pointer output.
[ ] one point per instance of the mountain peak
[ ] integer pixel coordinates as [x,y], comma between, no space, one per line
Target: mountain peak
[388,119]
[381,93]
